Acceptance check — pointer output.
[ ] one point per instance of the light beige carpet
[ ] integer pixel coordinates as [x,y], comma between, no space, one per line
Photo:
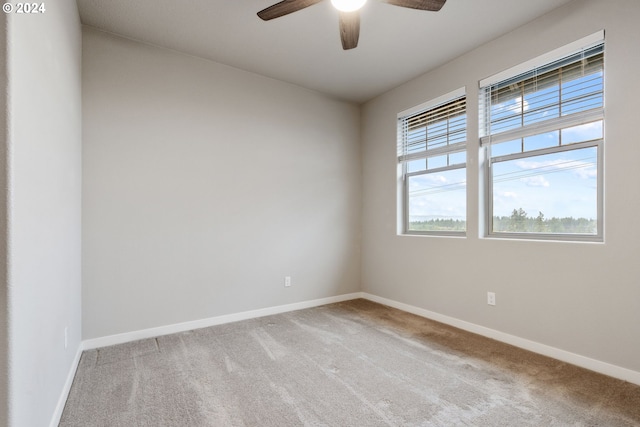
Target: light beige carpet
[355,363]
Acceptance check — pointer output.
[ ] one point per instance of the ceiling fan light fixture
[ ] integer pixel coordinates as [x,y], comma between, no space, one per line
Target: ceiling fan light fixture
[349,17]
[348,5]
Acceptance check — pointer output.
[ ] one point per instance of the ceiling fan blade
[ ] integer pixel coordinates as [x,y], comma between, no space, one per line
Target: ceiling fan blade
[285,7]
[431,5]
[349,29]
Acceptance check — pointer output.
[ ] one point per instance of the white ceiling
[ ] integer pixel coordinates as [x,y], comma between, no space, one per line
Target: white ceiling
[396,44]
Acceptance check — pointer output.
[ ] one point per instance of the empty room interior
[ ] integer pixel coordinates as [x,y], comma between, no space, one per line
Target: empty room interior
[387,216]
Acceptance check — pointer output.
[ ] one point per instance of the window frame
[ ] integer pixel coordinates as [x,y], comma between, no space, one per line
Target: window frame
[403,160]
[539,128]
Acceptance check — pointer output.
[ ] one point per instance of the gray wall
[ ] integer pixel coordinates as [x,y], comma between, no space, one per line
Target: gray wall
[204,186]
[43,201]
[580,297]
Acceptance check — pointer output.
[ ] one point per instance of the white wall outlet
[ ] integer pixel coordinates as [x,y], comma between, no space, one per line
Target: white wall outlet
[66,337]
[491,298]
[287,281]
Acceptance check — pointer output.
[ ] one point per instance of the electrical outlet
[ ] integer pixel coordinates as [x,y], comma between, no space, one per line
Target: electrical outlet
[66,337]
[491,298]
[287,281]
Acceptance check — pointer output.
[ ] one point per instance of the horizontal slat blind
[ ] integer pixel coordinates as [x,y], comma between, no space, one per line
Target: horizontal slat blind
[435,130]
[571,85]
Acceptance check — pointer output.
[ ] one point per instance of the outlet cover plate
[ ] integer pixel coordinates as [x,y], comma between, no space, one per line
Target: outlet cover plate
[491,298]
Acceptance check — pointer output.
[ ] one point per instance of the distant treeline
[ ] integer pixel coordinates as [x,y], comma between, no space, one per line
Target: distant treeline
[438,225]
[518,222]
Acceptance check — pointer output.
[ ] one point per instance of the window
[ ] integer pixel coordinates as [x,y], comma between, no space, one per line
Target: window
[543,133]
[432,141]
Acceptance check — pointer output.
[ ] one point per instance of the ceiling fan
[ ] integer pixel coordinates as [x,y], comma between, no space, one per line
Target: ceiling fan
[349,13]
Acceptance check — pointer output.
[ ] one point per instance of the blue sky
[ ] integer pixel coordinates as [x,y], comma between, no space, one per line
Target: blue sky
[558,185]
[438,195]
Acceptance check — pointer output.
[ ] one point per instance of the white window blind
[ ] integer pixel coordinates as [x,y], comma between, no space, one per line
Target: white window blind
[565,92]
[433,131]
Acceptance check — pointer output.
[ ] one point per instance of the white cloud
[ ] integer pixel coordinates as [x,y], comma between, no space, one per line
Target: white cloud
[587,173]
[436,179]
[536,181]
[525,104]
[516,105]
[584,132]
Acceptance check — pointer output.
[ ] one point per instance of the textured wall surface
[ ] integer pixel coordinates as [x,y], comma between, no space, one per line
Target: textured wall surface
[43,197]
[204,186]
[580,297]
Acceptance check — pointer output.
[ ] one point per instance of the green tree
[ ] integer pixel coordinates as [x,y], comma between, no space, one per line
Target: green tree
[518,220]
[540,224]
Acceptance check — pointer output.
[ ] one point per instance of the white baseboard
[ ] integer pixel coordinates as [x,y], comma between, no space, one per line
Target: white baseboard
[556,353]
[62,400]
[212,321]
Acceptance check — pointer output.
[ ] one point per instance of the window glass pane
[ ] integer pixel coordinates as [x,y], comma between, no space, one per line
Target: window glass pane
[437,162]
[586,132]
[552,193]
[437,201]
[543,140]
[457,158]
[505,148]
[416,165]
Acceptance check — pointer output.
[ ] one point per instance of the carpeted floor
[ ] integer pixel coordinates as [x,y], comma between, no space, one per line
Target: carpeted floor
[355,363]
